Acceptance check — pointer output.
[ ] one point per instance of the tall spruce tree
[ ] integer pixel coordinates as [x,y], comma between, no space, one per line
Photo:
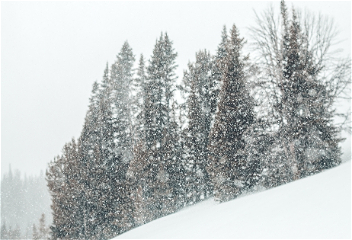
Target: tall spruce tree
[138,102]
[228,159]
[89,141]
[201,86]
[103,206]
[174,167]
[220,55]
[193,145]
[159,89]
[137,177]
[63,183]
[97,149]
[309,137]
[302,82]
[122,78]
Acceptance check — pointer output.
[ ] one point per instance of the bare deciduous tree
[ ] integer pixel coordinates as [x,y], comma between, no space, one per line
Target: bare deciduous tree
[300,77]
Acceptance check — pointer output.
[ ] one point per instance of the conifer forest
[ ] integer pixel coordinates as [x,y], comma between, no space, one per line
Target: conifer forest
[153,142]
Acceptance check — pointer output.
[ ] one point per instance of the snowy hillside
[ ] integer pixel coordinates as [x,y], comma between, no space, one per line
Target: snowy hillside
[315,207]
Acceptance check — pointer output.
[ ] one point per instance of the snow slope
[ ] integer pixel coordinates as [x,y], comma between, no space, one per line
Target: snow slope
[315,207]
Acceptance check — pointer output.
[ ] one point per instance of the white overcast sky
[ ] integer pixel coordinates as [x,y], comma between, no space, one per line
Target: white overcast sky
[52,52]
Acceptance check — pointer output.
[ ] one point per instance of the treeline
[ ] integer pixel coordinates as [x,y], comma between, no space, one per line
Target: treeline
[23,201]
[243,125]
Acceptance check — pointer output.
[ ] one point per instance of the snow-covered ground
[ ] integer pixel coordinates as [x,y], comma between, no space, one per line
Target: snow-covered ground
[315,207]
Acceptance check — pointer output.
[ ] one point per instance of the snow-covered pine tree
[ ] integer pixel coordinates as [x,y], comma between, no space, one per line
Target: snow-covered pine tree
[303,81]
[174,167]
[71,195]
[106,147]
[64,186]
[108,164]
[122,78]
[90,164]
[160,85]
[93,173]
[55,179]
[106,138]
[139,174]
[138,179]
[216,73]
[201,88]
[122,81]
[138,102]
[97,144]
[142,176]
[220,56]
[309,138]
[193,143]
[228,159]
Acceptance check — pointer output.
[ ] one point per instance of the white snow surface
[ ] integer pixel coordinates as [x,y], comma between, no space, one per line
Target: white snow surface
[318,206]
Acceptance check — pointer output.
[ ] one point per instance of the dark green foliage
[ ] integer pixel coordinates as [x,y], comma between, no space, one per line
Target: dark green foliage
[141,155]
[201,87]
[308,137]
[174,167]
[94,202]
[301,83]
[159,87]
[228,159]
[139,101]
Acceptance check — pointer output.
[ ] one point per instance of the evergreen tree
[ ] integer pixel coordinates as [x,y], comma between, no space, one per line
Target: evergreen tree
[55,178]
[310,143]
[63,182]
[138,179]
[97,166]
[200,82]
[174,167]
[35,233]
[106,156]
[106,141]
[220,56]
[140,174]
[4,232]
[229,164]
[194,144]
[43,231]
[160,85]
[302,83]
[138,102]
[90,165]
[122,80]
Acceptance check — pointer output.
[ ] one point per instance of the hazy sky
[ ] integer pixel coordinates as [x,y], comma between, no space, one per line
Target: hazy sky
[52,52]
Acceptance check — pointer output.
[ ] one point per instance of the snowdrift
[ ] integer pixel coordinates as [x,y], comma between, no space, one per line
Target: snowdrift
[315,207]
